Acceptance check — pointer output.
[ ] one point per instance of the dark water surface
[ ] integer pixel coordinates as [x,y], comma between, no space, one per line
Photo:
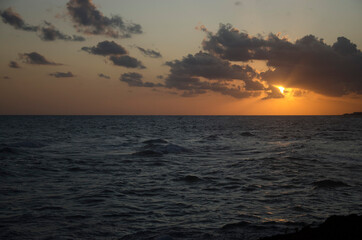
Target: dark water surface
[175,177]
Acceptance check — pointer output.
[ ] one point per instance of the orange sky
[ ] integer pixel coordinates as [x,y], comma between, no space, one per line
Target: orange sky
[172,29]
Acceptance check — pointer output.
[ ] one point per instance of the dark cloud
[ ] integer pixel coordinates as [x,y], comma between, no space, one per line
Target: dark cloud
[36,58]
[134,79]
[201,73]
[101,75]
[88,19]
[126,61]
[117,54]
[62,74]
[238,3]
[208,66]
[186,76]
[50,33]
[14,19]
[194,86]
[13,64]
[160,77]
[6,77]
[308,63]
[219,76]
[47,32]
[231,44]
[106,48]
[150,53]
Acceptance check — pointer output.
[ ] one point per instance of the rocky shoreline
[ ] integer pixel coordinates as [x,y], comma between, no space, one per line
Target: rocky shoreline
[334,228]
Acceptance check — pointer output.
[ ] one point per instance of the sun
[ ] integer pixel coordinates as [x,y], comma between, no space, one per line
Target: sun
[281,89]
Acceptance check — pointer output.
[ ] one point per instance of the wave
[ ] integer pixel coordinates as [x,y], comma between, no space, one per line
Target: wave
[247,134]
[155,141]
[235,225]
[158,147]
[27,144]
[148,153]
[190,179]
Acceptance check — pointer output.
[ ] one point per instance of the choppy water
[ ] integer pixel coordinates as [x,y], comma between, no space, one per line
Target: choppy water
[175,177]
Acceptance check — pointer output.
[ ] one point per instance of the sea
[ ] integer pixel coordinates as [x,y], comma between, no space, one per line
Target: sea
[176,177]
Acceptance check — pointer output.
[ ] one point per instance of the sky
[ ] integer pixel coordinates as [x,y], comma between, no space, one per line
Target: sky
[180,57]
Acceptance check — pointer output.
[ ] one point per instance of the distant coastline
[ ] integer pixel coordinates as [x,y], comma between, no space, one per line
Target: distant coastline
[359,114]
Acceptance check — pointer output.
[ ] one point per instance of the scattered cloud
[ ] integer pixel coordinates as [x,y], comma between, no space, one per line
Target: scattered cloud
[88,19]
[14,19]
[36,58]
[117,54]
[13,64]
[308,63]
[126,61]
[62,74]
[134,79]
[50,33]
[47,32]
[150,53]
[101,75]
[106,48]
[201,28]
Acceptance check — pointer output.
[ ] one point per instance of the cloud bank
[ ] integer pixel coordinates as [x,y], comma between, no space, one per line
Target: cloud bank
[308,63]
[202,72]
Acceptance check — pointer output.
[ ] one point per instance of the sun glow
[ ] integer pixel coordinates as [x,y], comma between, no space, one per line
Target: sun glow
[281,89]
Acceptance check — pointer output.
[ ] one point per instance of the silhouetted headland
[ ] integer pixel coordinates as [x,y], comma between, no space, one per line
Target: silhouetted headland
[334,228]
[357,114]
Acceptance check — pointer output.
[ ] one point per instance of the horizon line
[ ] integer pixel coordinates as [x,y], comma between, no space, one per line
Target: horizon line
[191,115]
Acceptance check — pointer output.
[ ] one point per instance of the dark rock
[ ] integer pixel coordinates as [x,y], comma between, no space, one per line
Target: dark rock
[334,228]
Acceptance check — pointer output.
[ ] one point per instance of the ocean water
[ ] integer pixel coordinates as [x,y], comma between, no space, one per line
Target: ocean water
[175,177]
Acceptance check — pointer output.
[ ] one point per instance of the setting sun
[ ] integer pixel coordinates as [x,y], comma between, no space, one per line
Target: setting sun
[281,89]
